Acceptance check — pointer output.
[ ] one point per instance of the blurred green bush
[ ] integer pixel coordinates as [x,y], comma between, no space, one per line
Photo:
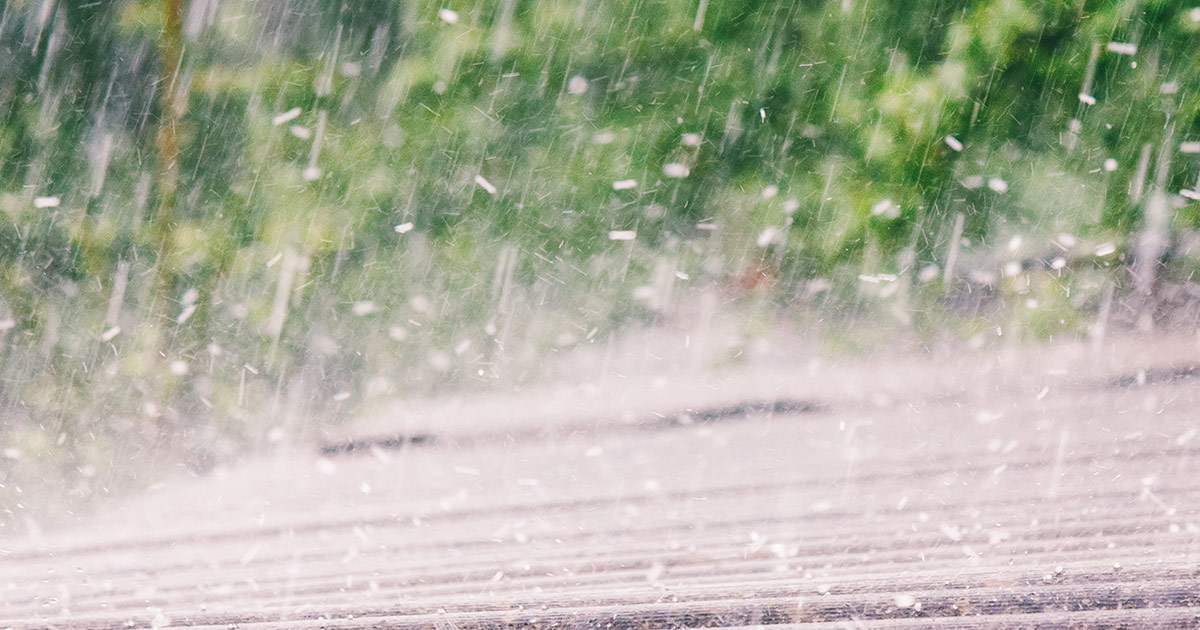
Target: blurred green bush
[379,197]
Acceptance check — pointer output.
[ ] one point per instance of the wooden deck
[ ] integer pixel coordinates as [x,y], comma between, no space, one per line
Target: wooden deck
[1055,488]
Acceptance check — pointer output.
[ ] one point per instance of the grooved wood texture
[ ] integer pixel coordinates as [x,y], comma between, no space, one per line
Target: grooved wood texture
[1052,492]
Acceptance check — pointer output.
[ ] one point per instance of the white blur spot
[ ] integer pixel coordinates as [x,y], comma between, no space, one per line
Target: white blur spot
[971,182]
[791,206]
[1087,99]
[1058,263]
[929,273]
[300,131]
[109,334]
[366,307]
[289,115]
[186,313]
[887,209]
[311,173]
[905,600]
[440,361]
[987,416]
[178,367]
[46,202]
[655,572]
[691,139]
[998,185]
[1192,146]
[624,184]
[365,488]
[676,170]
[769,235]
[622,235]
[485,184]
[577,85]
[770,191]
[1122,48]
[954,143]
[1194,195]
[1105,249]
[1194,14]
[341,396]
[325,466]
[1014,243]
[398,333]
[595,451]
[7,323]
[449,16]
[877,278]
[159,621]
[421,304]
[981,276]
[1066,240]
[604,137]
[251,554]
[404,228]
[1110,165]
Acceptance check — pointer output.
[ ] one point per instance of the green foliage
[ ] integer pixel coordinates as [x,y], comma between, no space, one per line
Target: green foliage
[379,196]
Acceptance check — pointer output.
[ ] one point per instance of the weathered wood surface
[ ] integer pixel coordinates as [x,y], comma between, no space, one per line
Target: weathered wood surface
[1050,488]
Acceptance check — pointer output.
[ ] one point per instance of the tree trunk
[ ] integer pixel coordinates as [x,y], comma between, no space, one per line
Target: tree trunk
[167,179]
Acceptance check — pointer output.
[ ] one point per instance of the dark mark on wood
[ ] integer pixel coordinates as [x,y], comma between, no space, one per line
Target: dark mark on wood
[736,411]
[390,443]
[684,418]
[1155,376]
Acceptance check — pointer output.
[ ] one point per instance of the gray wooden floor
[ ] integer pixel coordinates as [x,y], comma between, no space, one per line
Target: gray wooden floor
[1027,490]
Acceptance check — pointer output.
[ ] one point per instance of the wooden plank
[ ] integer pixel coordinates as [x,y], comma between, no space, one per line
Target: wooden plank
[967,504]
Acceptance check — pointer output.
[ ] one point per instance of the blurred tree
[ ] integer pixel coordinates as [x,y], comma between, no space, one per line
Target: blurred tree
[235,217]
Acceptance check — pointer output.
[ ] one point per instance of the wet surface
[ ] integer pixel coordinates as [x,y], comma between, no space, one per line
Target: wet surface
[1013,496]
